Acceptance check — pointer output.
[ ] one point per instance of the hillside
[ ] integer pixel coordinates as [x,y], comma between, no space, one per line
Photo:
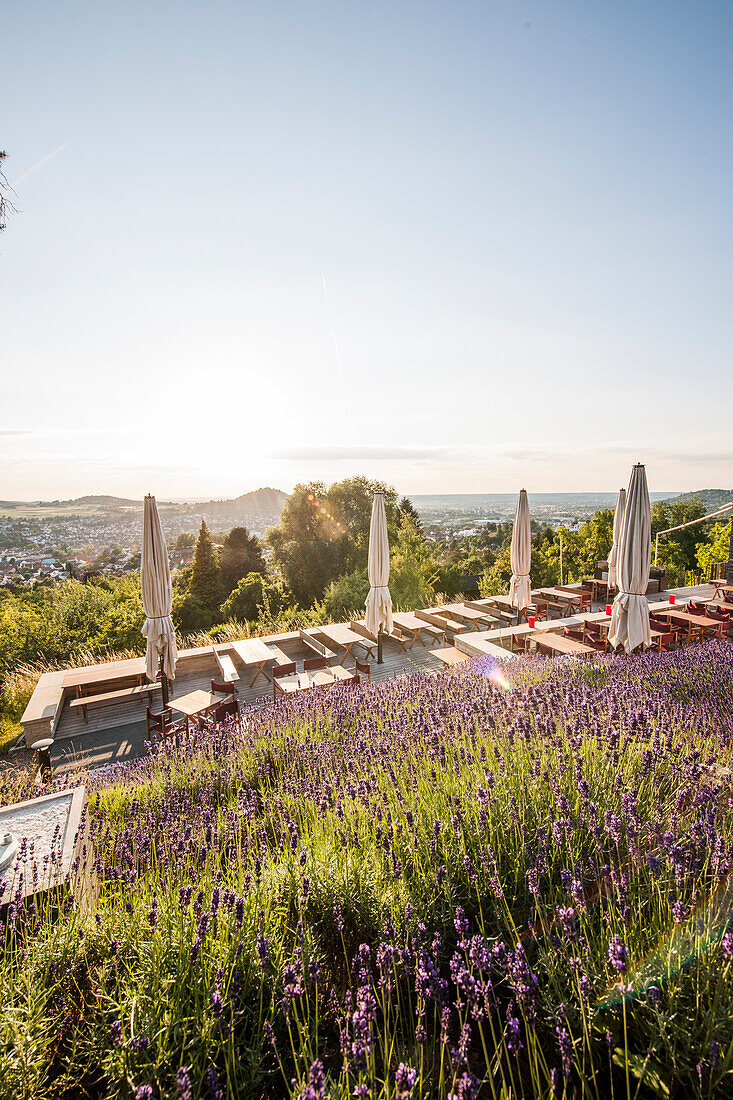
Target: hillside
[266,502]
[711,498]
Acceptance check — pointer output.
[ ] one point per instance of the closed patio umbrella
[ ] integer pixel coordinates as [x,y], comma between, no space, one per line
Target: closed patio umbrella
[630,615]
[520,593]
[155,582]
[379,602]
[618,519]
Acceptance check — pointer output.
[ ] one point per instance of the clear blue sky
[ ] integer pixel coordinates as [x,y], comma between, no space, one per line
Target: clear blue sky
[462,247]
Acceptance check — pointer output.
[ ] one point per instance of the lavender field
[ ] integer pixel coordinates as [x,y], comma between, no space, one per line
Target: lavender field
[449,886]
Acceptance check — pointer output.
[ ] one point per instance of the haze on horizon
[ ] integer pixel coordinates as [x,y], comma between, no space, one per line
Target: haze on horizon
[460,248]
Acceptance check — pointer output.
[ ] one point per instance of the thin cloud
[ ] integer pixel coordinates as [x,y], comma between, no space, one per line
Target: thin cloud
[359,453]
[39,163]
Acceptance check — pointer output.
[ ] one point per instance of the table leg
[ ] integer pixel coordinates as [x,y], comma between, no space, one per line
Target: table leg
[260,671]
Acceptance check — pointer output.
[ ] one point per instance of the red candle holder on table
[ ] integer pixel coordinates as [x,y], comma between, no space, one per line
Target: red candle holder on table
[608,609]
[530,621]
[672,597]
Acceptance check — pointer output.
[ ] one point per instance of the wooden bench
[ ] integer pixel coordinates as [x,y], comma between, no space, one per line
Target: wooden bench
[397,635]
[280,657]
[450,656]
[118,695]
[227,670]
[442,621]
[317,647]
[491,611]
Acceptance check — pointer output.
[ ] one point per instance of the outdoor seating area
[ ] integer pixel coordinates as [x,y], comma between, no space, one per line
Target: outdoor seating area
[215,681]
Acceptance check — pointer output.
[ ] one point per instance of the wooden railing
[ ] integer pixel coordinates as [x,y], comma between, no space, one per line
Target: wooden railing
[714,572]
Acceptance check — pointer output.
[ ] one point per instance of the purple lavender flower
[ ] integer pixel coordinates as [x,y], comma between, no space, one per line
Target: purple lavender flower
[405,1079]
[143,1092]
[183,1083]
[566,1051]
[617,954]
[216,1092]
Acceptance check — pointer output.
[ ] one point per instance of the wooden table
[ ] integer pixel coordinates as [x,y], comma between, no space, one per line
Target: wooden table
[195,704]
[559,595]
[468,614]
[326,677]
[343,637]
[690,620]
[253,653]
[111,673]
[288,685]
[720,587]
[410,624]
[558,643]
[450,656]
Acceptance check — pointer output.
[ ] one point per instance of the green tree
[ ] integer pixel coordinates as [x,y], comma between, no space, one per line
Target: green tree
[205,586]
[412,568]
[678,550]
[407,508]
[345,595]
[324,534]
[717,549]
[253,594]
[240,554]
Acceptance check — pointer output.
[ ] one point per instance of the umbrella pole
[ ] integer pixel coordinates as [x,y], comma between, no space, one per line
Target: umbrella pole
[379,647]
[163,682]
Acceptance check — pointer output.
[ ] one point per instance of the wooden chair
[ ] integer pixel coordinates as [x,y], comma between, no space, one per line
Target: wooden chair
[312,664]
[362,668]
[279,671]
[664,626]
[594,636]
[666,641]
[576,634]
[228,709]
[162,725]
[223,689]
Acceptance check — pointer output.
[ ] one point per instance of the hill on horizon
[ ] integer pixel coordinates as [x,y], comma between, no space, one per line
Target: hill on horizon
[711,498]
[265,501]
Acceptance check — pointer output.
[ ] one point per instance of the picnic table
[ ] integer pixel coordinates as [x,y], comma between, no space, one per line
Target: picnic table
[563,597]
[343,637]
[106,674]
[253,653]
[468,614]
[409,624]
[558,643]
[108,685]
[194,705]
[719,586]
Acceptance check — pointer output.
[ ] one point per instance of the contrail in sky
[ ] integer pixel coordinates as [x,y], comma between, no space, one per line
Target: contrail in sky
[29,171]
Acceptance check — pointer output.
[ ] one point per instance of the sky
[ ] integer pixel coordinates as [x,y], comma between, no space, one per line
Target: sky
[460,247]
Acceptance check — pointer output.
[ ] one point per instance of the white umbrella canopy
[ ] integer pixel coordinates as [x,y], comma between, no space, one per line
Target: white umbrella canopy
[520,593]
[618,519]
[630,614]
[155,582]
[379,601]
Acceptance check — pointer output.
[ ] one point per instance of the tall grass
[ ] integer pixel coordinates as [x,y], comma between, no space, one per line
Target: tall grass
[430,887]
